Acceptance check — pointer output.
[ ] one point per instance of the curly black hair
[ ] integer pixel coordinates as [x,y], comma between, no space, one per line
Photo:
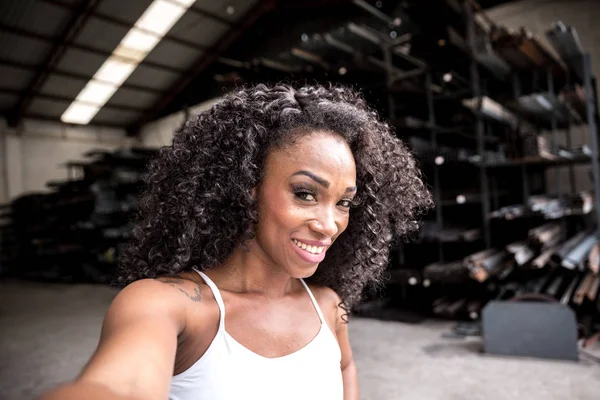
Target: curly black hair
[198,204]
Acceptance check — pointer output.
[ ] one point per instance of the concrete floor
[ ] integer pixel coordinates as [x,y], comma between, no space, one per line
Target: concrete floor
[47,333]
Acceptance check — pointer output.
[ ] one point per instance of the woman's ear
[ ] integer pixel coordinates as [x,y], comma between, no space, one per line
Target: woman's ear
[253,193]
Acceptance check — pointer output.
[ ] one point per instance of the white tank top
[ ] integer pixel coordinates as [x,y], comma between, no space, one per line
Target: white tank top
[230,371]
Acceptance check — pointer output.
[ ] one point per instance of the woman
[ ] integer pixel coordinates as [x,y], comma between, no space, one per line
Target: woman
[259,229]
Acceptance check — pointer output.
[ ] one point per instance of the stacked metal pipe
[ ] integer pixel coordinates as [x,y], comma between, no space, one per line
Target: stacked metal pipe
[576,258]
[565,41]
[521,252]
[547,235]
[487,263]
[566,248]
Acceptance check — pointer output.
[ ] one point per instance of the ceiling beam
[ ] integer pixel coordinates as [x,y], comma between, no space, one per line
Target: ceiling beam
[207,14]
[57,119]
[72,75]
[90,49]
[122,23]
[65,99]
[262,7]
[72,28]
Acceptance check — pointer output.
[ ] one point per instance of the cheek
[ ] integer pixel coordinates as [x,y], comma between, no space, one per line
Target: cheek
[278,212]
[343,223]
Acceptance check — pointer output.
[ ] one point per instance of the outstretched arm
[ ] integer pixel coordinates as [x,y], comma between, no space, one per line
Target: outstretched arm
[135,357]
[349,372]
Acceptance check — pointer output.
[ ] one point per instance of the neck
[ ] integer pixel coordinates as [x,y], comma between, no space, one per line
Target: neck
[252,271]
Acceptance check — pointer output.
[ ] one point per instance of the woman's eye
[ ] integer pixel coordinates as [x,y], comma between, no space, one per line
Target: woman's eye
[306,196]
[346,203]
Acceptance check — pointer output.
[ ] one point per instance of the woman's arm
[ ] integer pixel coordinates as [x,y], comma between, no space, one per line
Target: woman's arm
[135,357]
[349,372]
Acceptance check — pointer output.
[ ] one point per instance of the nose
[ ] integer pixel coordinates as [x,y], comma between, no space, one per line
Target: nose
[325,223]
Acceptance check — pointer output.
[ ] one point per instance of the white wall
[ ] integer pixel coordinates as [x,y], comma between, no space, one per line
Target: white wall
[32,154]
[538,16]
[160,132]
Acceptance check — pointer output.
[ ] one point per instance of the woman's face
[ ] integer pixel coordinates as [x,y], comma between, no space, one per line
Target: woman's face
[304,202]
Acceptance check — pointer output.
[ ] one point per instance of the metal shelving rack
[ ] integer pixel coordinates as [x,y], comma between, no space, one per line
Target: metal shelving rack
[486,170]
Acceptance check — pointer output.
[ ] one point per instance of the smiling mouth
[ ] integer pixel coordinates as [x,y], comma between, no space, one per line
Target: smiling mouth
[308,248]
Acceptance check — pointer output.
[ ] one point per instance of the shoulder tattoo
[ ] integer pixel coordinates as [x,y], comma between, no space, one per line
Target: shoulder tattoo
[195,297]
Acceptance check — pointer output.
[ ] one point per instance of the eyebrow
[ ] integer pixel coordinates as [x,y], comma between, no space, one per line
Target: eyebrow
[321,181]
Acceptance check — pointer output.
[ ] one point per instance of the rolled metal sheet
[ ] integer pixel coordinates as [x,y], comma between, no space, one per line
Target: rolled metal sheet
[579,254]
[566,248]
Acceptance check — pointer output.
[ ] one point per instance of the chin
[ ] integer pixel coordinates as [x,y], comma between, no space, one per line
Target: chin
[304,272]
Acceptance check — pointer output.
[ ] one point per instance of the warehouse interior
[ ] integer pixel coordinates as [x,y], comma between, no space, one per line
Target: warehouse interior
[497,296]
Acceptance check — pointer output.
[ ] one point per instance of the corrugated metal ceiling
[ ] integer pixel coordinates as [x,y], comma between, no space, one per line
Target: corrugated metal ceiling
[198,29]
[30,31]
[129,11]
[220,8]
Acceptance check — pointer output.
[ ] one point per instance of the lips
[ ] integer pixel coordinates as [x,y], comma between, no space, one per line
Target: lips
[309,252]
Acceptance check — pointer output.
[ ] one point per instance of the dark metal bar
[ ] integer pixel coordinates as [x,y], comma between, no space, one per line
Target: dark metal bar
[64,99]
[72,75]
[204,61]
[516,83]
[436,172]
[495,202]
[89,49]
[398,73]
[81,15]
[476,90]
[553,121]
[375,12]
[387,56]
[569,143]
[536,80]
[590,106]
[389,81]
[566,297]
[525,182]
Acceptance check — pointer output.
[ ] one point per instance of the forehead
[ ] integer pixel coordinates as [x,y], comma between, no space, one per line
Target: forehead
[320,152]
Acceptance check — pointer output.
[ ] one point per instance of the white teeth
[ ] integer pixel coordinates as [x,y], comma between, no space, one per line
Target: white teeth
[310,249]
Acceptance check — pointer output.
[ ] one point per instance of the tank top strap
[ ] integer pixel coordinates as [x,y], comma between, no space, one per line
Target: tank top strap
[314,301]
[215,291]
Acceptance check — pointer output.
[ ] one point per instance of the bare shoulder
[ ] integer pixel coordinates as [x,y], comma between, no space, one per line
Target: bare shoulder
[329,302]
[167,296]
[325,295]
